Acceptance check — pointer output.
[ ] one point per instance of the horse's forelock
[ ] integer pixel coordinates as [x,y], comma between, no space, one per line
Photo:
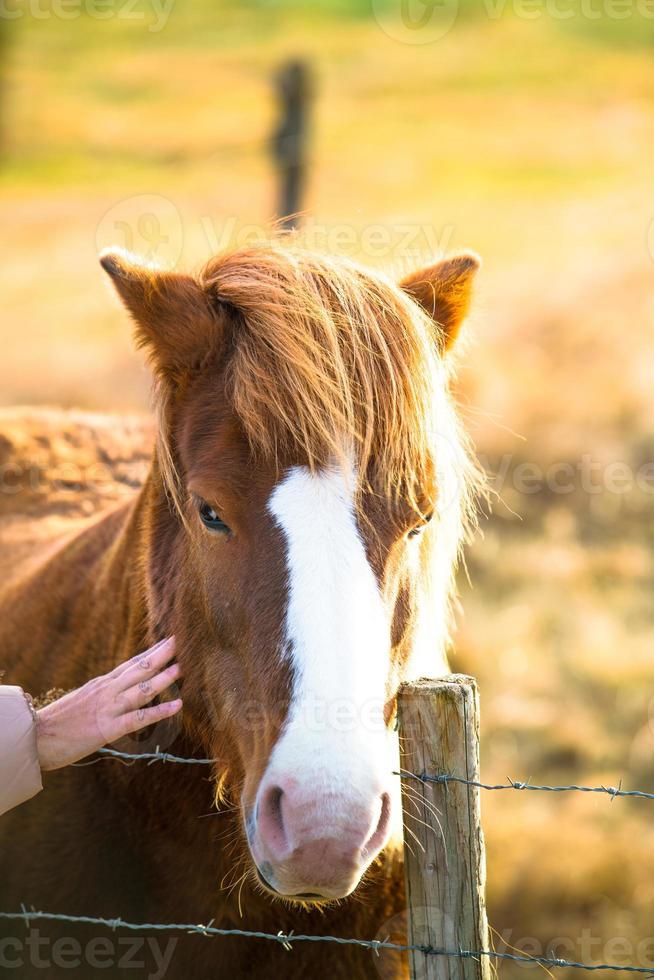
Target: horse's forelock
[329,361]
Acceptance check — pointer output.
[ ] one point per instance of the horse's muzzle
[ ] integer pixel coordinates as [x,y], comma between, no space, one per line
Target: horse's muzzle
[315,847]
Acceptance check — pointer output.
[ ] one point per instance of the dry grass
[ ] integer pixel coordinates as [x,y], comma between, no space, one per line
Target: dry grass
[530,143]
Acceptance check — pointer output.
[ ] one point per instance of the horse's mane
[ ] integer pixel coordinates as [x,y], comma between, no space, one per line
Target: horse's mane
[327,361]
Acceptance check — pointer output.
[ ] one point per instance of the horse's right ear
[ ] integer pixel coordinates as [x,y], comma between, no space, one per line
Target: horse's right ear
[172,314]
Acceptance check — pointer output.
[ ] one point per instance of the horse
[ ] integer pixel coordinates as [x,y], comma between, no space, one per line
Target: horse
[293,517]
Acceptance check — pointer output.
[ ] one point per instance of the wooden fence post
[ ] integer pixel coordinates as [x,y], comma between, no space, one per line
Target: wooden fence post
[289,142]
[444,845]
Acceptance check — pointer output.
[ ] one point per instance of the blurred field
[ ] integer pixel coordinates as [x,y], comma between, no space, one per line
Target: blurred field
[530,141]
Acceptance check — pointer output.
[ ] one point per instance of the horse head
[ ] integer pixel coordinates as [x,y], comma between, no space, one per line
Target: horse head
[312,487]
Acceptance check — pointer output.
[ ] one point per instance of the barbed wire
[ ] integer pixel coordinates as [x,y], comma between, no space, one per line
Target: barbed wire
[612,791]
[443,778]
[155,756]
[286,940]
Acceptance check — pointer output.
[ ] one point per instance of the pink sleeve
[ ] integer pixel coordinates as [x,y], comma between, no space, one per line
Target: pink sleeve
[20,774]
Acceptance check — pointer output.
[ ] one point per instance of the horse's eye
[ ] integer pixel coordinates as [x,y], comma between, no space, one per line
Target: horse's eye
[211,519]
[414,532]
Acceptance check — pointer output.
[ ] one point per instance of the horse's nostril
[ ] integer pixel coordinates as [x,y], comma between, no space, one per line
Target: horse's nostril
[275,802]
[273,806]
[381,831]
[270,818]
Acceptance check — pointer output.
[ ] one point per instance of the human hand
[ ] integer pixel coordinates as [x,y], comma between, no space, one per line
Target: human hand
[107,707]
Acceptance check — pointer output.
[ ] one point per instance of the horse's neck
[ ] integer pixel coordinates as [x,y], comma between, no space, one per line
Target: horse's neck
[83,607]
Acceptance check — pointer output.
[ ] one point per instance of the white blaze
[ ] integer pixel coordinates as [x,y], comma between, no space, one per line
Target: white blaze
[338,636]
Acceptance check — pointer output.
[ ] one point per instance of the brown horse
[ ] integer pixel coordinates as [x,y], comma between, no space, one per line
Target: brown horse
[296,527]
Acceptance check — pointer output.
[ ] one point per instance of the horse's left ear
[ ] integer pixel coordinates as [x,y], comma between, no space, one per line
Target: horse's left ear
[444,291]
[173,317]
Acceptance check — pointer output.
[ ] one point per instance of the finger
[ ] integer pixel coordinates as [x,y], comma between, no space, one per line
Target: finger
[142,717]
[148,687]
[145,665]
[121,668]
[159,654]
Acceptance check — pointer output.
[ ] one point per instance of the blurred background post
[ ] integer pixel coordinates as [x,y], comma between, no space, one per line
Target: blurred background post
[289,144]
